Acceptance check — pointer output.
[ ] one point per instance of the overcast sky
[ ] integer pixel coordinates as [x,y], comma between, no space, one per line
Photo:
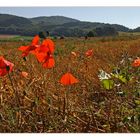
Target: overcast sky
[127,16]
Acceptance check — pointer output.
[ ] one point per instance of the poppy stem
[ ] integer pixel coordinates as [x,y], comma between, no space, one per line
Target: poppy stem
[66,104]
[59,108]
[65,107]
[16,98]
[16,94]
[68,98]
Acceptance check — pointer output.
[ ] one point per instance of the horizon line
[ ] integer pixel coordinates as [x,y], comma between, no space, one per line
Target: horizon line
[71,18]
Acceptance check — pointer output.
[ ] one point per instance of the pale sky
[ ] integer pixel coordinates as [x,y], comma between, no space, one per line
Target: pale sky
[127,16]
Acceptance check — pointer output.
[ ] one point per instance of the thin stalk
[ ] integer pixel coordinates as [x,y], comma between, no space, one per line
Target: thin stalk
[16,93]
[17,100]
[55,83]
[66,105]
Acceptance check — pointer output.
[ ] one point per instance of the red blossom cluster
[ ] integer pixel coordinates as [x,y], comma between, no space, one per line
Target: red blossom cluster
[29,49]
[43,52]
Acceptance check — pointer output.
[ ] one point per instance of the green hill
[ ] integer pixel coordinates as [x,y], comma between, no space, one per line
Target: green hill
[56,25]
[52,20]
[11,20]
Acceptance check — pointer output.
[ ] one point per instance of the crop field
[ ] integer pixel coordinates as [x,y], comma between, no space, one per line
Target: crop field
[88,86]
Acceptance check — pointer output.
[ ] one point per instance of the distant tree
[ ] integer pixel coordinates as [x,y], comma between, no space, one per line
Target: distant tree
[55,37]
[86,37]
[103,31]
[42,34]
[62,37]
[92,33]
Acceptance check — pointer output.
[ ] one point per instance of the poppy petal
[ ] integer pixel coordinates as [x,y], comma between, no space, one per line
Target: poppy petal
[136,62]
[11,65]
[41,57]
[49,63]
[42,48]
[35,40]
[73,79]
[3,72]
[89,52]
[50,44]
[3,66]
[23,48]
[68,79]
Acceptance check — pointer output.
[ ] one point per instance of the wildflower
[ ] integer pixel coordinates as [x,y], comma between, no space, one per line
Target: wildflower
[89,52]
[47,46]
[41,57]
[68,79]
[103,75]
[44,53]
[5,66]
[27,49]
[136,62]
[49,63]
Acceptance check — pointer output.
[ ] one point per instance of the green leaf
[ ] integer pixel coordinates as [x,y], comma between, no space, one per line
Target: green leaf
[126,119]
[137,102]
[120,77]
[107,84]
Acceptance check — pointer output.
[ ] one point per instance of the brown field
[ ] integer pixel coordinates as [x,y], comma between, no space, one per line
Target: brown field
[6,36]
[91,108]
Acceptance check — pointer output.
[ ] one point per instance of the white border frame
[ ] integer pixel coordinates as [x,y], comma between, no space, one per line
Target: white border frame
[28,3]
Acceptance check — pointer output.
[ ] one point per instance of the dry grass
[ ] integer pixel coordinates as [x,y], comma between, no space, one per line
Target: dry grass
[41,96]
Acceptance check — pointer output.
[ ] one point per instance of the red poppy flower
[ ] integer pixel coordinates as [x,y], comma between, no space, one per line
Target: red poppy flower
[89,52]
[41,57]
[68,79]
[47,46]
[5,66]
[27,49]
[35,40]
[49,63]
[47,60]
[44,53]
[136,62]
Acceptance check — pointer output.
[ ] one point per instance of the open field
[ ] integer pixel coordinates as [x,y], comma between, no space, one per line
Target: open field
[6,36]
[129,33]
[91,105]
